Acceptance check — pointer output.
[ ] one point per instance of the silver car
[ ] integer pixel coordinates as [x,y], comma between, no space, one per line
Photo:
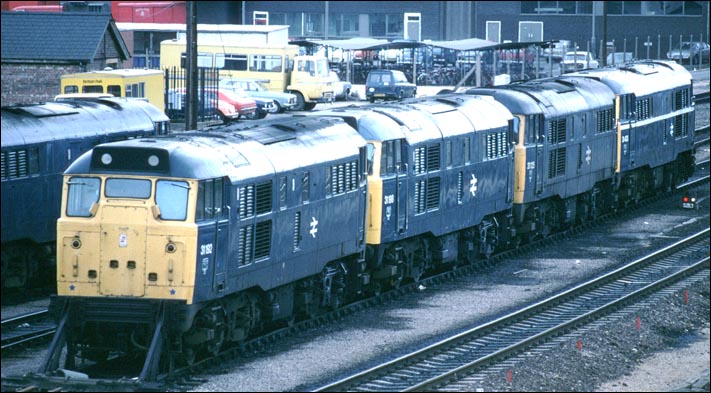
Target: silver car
[690,50]
[341,89]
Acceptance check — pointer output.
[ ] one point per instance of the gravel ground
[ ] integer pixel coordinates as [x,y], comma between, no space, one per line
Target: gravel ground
[615,356]
[361,341]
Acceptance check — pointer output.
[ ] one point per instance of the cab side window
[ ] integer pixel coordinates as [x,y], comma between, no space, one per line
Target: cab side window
[210,202]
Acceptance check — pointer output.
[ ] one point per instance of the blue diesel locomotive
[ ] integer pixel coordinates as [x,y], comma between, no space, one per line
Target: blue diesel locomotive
[170,247]
[597,140]
[39,141]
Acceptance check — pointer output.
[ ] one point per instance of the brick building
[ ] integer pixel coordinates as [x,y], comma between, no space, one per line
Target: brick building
[39,47]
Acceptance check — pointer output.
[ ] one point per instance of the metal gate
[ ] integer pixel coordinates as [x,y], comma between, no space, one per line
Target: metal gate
[206,98]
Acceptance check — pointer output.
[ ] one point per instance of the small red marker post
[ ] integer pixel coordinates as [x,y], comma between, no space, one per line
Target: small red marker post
[639,323]
[509,376]
[580,345]
[686,297]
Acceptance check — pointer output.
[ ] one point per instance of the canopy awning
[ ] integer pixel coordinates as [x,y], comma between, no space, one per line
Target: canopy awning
[359,43]
[466,44]
[363,43]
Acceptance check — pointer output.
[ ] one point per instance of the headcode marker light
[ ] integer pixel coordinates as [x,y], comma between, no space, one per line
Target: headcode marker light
[153,160]
[106,159]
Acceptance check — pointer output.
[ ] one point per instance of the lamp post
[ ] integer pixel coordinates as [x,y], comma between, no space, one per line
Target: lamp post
[592,39]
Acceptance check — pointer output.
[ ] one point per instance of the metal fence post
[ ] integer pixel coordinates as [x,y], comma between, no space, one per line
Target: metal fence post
[647,45]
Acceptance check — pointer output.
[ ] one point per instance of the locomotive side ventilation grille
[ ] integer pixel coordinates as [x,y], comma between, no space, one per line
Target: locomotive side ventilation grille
[297,230]
[643,108]
[433,158]
[605,121]
[246,201]
[255,199]
[680,123]
[264,197]
[556,131]
[460,187]
[246,236]
[427,195]
[419,160]
[680,99]
[342,178]
[427,159]
[556,163]
[254,242]
[20,163]
[263,240]
[496,145]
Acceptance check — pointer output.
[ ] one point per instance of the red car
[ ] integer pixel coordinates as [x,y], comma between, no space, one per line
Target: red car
[245,106]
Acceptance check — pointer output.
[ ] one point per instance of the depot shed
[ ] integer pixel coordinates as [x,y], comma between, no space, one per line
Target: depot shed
[39,47]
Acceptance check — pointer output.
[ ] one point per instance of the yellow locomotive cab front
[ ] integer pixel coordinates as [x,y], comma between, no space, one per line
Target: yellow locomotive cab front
[119,246]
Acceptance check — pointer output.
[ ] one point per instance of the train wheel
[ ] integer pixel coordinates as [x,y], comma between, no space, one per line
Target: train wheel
[188,357]
[16,269]
[516,242]
[217,321]
[375,288]
[209,319]
[249,316]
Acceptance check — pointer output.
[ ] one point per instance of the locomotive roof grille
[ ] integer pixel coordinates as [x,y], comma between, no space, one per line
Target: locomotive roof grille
[41,110]
[637,71]
[451,100]
[130,159]
[268,136]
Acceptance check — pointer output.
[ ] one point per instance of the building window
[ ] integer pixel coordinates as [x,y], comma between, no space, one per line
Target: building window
[313,24]
[613,7]
[344,25]
[386,25]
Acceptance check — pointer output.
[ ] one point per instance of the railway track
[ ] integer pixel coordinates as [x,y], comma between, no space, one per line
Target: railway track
[702,98]
[26,328]
[441,365]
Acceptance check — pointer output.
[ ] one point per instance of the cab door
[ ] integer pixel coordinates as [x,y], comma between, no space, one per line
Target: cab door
[212,218]
[394,197]
[539,145]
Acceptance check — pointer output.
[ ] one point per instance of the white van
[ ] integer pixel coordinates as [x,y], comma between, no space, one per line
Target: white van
[617,58]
